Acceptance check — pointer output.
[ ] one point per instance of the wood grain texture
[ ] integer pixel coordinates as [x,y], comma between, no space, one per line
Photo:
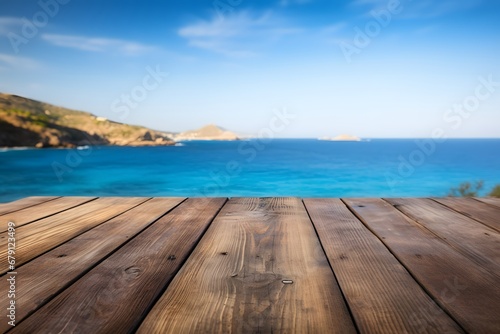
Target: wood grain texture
[104,265]
[115,295]
[467,291]
[38,237]
[258,269]
[476,241]
[49,274]
[33,213]
[382,295]
[482,212]
[489,200]
[23,203]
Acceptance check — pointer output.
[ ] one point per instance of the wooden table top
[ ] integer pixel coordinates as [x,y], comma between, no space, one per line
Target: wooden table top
[250,265]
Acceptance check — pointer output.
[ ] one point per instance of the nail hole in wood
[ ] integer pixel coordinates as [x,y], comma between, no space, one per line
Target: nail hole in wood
[171,257]
[224,253]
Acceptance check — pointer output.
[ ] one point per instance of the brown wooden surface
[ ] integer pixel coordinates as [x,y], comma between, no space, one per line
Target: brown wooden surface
[23,203]
[38,237]
[464,289]
[115,295]
[46,209]
[235,278]
[490,200]
[478,242]
[482,212]
[261,265]
[381,293]
[38,281]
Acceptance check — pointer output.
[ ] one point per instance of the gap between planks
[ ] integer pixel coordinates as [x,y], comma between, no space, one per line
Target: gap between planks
[464,289]
[77,256]
[481,212]
[478,242]
[116,294]
[47,209]
[45,234]
[258,268]
[382,295]
[24,203]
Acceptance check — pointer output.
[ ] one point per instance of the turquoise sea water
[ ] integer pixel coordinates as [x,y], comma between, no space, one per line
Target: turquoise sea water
[304,168]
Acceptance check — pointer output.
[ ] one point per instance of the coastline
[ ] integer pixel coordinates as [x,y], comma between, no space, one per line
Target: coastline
[23,148]
[250,168]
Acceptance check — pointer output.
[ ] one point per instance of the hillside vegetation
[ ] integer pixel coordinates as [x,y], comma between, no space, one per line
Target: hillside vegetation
[26,122]
[468,189]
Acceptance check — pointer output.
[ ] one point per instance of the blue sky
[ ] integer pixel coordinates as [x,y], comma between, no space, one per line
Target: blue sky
[372,68]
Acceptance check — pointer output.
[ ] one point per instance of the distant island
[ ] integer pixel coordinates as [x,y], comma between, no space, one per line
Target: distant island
[208,132]
[341,138]
[29,123]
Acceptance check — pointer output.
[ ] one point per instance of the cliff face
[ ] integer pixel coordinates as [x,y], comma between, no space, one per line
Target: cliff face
[209,132]
[25,122]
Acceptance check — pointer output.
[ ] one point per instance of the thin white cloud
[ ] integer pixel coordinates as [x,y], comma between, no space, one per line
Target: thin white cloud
[236,35]
[8,24]
[421,8]
[9,61]
[96,44]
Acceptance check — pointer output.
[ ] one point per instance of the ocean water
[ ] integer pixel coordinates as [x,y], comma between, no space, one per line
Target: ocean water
[304,168]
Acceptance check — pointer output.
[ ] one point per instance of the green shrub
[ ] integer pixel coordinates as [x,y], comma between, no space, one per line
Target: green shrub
[19,112]
[467,189]
[495,192]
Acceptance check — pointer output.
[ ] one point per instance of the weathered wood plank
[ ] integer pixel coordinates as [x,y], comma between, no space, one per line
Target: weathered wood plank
[476,241]
[468,292]
[489,200]
[116,295]
[40,279]
[38,237]
[382,295]
[259,268]
[28,215]
[486,214]
[23,203]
